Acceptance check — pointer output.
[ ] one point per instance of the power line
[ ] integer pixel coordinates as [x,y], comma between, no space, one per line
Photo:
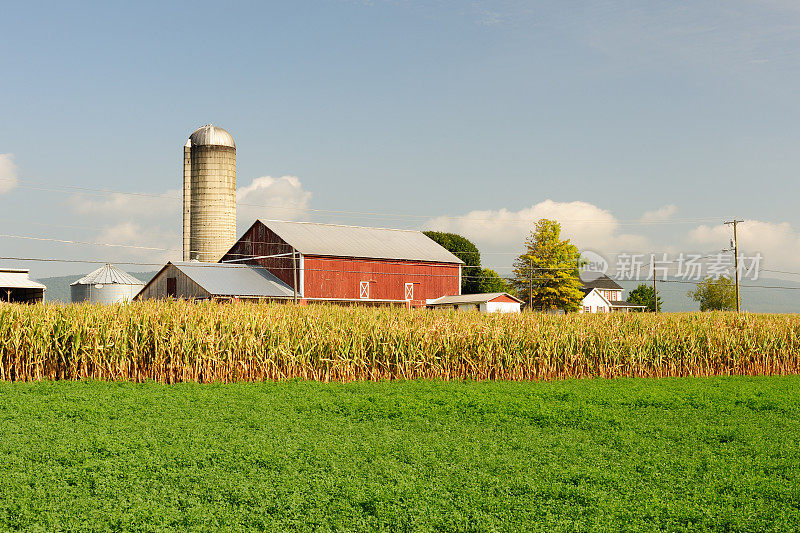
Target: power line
[268,243]
[228,265]
[743,285]
[63,188]
[781,271]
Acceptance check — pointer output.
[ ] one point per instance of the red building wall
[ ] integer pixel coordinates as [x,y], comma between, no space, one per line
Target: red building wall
[259,241]
[337,277]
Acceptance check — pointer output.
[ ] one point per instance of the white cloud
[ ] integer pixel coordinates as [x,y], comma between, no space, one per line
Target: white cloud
[8,173]
[145,243]
[267,197]
[264,197]
[662,213]
[142,221]
[588,226]
[166,206]
[777,243]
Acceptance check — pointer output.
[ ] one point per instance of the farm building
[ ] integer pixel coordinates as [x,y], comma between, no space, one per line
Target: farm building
[603,295]
[328,262]
[108,284]
[16,286]
[492,302]
[215,281]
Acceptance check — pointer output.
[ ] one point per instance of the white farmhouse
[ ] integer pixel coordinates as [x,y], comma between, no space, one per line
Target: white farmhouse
[603,295]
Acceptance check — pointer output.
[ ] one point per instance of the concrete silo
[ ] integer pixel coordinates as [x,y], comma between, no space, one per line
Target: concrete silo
[209,194]
[106,285]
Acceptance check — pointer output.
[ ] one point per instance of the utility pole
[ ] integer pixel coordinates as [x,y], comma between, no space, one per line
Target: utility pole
[736,260]
[655,291]
[530,285]
[655,286]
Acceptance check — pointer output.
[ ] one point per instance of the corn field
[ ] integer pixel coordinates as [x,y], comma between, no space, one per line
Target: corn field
[175,341]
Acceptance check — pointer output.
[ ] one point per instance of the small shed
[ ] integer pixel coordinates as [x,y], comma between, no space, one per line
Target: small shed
[490,302]
[108,284]
[193,280]
[17,287]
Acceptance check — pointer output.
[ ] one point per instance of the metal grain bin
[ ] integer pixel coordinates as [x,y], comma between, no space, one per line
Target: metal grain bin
[107,285]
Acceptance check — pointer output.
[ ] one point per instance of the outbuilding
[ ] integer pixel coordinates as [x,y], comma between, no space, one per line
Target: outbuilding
[492,302]
[193,280]
[17,287]
[350,264]
[108,284]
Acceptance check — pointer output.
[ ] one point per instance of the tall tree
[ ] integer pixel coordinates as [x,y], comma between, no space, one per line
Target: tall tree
[492,282]
[715,294]
[465,250]
[548,272]
[645,295]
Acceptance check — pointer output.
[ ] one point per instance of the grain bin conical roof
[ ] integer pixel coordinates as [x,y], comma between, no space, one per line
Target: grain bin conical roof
[108,274]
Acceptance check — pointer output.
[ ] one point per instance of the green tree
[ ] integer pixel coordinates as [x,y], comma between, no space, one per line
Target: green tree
[465,250]
[645,295]
[550,266]
[715,294]
[492,282]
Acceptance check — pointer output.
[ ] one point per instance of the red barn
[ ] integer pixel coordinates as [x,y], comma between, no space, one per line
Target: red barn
[327,262]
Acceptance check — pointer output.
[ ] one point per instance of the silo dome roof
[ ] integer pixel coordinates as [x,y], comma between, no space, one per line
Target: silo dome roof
[210,135]
[107,275]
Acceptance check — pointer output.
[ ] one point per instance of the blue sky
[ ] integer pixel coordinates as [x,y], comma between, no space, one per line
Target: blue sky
[605,109]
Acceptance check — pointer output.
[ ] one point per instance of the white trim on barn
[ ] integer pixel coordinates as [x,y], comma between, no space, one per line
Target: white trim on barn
[302,265]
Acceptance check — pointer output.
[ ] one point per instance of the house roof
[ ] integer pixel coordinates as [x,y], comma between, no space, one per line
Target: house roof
[598,280]
[17,278]
[225,279]
[106,275]
[311,238]
[470,298]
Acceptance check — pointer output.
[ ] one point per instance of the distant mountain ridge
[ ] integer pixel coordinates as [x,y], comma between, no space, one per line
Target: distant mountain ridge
[754,298]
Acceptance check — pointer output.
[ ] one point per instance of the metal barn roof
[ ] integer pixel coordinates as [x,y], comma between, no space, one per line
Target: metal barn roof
[470,298]
[211,135]
[17,278]
[311,238]
[106,275]
[225,279]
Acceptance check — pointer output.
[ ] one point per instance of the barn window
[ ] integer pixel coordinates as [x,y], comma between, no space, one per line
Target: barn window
[409,291]
[587,308]
[172,287]
[363,289]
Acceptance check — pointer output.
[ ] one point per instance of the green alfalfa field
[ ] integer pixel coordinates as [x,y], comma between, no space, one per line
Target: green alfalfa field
[674,454]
